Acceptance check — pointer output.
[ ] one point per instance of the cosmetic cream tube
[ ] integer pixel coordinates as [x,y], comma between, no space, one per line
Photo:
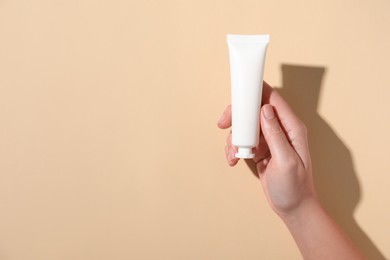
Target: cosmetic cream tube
[247,57]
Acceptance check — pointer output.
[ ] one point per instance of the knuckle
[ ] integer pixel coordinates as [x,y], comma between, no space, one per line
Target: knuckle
[291,164]
[274,128]
[302,128]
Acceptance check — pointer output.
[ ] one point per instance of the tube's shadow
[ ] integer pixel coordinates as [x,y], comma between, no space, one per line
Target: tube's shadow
[334,175]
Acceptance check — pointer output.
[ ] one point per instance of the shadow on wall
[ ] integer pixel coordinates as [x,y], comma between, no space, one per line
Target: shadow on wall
[334,175]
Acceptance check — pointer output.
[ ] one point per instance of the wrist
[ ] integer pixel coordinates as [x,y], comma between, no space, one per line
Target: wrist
[316,233]
[302,212]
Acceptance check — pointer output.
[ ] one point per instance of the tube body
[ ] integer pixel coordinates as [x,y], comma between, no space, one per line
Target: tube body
[247,57]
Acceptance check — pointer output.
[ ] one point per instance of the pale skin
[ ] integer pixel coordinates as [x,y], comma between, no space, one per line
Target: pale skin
[284,168]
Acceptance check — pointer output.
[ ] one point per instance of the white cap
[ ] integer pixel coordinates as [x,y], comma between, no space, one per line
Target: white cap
[245,153]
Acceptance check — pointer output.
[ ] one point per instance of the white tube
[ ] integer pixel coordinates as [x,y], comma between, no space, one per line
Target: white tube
[247,57]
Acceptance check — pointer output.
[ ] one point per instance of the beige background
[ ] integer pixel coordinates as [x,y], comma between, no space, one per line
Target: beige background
[108,140]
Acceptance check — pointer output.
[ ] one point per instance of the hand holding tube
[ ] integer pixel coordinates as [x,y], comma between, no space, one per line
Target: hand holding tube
[284,167]
[282,157]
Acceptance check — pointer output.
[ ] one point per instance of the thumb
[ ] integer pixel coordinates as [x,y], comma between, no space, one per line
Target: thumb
[278,144]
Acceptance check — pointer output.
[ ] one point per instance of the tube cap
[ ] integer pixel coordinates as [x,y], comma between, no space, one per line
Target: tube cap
[245,153]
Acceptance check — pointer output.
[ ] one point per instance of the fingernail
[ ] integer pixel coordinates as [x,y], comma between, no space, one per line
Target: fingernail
[221,119]
[269,112]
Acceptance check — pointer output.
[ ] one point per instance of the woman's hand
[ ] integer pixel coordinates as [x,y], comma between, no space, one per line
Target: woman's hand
[282,157]
[284,167]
